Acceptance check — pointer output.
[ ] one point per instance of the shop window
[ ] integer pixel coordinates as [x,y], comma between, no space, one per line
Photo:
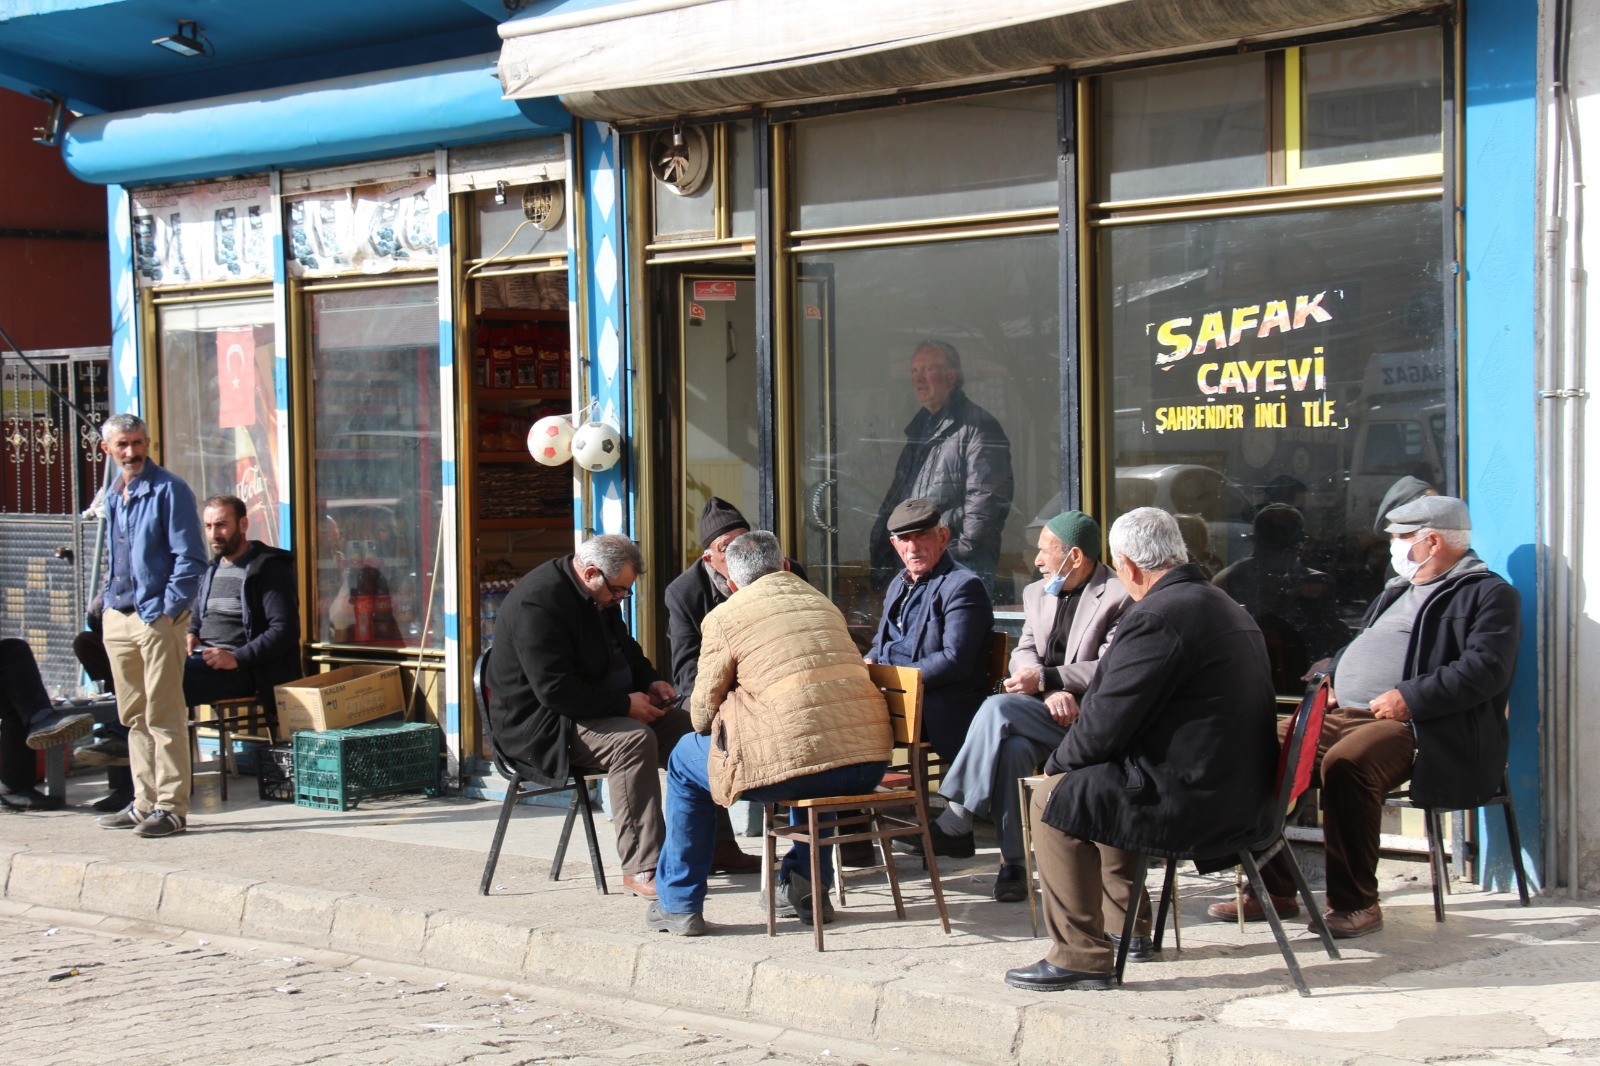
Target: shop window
[1185,129]
[375,465]
[1271,376]
[520,220]
[741,179]
[219,406]
[874,330]
[1369,107]
[979,155]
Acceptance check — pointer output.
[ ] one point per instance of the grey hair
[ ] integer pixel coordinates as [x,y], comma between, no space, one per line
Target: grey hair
[952,358]
[1458,539]
[610,552]
[1149,538]
[752,557]
[123,423]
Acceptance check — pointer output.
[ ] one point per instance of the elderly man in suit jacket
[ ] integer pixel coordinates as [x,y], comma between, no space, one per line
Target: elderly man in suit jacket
[1069,615]
[938,619]
[1173,755]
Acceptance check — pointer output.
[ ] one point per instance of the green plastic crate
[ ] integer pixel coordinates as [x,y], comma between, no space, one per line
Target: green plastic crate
[338,768]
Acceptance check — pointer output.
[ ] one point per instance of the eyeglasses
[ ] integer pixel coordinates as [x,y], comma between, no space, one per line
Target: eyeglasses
[619,591]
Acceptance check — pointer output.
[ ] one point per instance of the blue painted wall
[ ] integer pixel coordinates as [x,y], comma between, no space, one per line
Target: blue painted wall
[1501,149]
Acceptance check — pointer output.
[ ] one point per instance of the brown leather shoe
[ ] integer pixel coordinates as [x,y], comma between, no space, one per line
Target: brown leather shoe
[1347,925]
[1228,911]
[642,885]
[728,858]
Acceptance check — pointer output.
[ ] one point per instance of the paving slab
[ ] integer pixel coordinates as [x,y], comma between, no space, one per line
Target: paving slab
[397,880]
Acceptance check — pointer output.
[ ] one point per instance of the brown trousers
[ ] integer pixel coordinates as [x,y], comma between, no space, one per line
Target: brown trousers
[1086,889]
[1360,759]
[632,754]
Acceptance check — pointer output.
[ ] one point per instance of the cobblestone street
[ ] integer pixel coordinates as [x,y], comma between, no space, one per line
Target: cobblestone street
[141,999]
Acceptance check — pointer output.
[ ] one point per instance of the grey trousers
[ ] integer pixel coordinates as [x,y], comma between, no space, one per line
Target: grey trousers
[632,754]
[1008,739]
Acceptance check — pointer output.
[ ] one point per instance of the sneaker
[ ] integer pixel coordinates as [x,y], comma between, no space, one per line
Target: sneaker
[794,900]
[160,823]
[1011,883]
[944,844]
[51,727]
[1228,910]
[112,751]
[127,818]
[662,921]
[112,802]
[29,799]
[1346,925]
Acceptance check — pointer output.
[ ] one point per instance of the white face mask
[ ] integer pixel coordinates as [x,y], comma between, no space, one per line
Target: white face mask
[1058,582]
[1400,557]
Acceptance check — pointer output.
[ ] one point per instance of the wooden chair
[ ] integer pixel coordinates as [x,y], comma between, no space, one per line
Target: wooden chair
[1296,760]
[902,690]
[241,714]
[1433,828]
[577,783]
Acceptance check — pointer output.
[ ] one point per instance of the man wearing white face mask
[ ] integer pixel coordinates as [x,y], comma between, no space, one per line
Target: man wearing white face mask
[1068,617]
[1420,693]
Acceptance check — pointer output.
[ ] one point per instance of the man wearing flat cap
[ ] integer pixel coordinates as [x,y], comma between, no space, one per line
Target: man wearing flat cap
[937,618]
[1068,618]
[1420,694]
[690,597]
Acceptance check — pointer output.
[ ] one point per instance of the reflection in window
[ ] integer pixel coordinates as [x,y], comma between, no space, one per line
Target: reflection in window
[219,403]
[954,158]
[867,379]
[1270,379]
[375,465]
[1186,129]
[1372,98]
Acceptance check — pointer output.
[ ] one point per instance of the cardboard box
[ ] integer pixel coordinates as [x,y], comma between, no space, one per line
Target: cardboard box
[340,698]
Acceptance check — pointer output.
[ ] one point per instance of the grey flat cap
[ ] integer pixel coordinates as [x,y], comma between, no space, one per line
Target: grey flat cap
[913,515]
[1429,512]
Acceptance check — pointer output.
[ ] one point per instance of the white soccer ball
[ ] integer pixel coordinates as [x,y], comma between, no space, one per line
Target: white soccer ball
[596,447]
[550,440]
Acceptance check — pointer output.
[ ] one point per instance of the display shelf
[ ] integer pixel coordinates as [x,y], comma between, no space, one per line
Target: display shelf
[500,524]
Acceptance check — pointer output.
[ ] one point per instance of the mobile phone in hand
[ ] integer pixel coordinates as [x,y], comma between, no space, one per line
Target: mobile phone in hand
[675,702]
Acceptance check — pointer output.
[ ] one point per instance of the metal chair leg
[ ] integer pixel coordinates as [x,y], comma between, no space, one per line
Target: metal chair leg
[586,806]
[1248,861]
[499,834]
[1136,895]
[769,864]
[1515,840]
[566,836]
[1430,822]
[1025,806]
[818,889]
[1319,922]
[1169,899]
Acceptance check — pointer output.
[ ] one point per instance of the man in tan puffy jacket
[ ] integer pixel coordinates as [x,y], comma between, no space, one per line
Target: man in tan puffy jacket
[783,709]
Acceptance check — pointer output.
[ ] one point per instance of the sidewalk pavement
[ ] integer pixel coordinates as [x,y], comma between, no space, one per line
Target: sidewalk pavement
[396,880]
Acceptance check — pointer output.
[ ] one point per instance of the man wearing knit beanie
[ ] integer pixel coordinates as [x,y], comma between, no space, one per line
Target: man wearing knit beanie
[1068,616]
[690,597]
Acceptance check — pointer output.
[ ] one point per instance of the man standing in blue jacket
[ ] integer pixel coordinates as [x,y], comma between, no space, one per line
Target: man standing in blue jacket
[157,557]
[937,618]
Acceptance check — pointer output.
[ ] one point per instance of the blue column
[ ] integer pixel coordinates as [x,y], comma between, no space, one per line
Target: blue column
[603,282]
[124,307]
[1501,149]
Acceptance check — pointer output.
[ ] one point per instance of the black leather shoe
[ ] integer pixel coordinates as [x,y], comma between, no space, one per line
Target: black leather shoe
[30,799]
[1140,948]
[1011,883]
[1044,977]
[950,847]
[112,802]
[688,924]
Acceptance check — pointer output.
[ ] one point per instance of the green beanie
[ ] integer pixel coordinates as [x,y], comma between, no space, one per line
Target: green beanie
[1077,530]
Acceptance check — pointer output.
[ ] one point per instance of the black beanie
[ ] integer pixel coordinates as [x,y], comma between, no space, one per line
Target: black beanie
[718,517]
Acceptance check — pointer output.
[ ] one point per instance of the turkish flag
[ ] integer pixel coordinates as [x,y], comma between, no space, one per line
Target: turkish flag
[236,378]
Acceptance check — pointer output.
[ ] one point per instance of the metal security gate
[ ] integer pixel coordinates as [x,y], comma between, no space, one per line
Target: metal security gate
[49,475]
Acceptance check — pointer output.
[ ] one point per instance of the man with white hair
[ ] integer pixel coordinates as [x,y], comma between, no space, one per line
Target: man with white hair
[1172,755]
[1420,693]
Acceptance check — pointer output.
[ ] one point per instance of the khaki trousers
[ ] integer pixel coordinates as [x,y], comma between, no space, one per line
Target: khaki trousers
[632,754]
[1086,888]
[147,672]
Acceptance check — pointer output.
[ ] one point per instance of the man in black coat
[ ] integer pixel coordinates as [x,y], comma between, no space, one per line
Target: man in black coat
[956,455]
[1173,754]
[569,686]
[690,597]
[244,627]
[1420,693]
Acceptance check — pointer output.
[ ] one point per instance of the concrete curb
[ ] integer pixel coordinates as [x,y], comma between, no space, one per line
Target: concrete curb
[822,995]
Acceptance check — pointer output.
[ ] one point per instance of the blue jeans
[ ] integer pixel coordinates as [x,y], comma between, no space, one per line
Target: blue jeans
[685,862]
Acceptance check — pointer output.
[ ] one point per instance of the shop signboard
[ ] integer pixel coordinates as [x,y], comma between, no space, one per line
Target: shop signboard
[203,233]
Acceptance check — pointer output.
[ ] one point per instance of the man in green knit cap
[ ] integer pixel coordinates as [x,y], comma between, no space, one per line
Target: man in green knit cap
[1068,616]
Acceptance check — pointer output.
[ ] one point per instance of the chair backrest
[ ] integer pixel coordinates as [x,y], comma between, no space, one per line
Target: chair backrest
[1298,756]
[480,683]
[902,691]
[999,658]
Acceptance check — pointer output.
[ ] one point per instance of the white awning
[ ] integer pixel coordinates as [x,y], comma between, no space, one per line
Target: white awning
[640,59]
